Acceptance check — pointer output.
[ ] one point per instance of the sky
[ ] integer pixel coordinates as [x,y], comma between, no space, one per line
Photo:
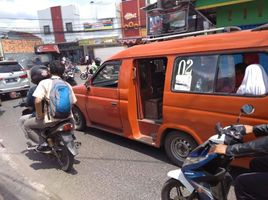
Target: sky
[21,15]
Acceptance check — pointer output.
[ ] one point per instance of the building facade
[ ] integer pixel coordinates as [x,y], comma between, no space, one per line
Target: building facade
[243,13]
[19,46]
[57,24]
[102,30]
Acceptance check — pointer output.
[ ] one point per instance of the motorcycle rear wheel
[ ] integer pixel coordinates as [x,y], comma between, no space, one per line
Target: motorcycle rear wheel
[65,158]
[175,190]
[83,76]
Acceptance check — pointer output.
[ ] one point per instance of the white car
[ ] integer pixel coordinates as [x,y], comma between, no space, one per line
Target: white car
[13,78]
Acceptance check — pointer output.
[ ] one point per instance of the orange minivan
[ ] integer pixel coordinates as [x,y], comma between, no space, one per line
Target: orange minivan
[172,93]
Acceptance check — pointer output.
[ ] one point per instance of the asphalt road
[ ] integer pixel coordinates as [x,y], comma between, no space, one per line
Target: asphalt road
[107,167]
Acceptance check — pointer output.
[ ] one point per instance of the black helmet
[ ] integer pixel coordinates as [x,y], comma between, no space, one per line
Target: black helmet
[38,73]
[97,61]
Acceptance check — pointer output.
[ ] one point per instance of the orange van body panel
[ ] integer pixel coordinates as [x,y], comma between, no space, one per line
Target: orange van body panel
[194,114]
[206,43]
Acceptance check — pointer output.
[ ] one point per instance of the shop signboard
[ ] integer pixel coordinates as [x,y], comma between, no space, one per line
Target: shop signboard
[97,41]
[130,19]
[100,25]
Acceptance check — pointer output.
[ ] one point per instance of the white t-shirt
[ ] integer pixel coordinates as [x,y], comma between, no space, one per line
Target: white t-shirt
[42,91]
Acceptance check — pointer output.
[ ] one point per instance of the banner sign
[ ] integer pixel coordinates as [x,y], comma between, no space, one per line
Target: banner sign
[100,25]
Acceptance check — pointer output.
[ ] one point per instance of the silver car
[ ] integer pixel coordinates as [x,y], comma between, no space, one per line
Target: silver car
[13,78]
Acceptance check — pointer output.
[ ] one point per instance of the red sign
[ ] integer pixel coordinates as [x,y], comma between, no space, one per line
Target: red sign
[47,48]
[130,18]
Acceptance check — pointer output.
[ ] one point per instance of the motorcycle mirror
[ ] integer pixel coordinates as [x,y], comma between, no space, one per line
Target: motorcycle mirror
[218,129]
[88,83]
[247,109]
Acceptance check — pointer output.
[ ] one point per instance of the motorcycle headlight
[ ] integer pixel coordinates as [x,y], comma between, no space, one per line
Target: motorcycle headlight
[192,160]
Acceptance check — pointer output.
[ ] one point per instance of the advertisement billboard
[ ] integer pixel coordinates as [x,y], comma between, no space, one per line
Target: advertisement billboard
[99,25]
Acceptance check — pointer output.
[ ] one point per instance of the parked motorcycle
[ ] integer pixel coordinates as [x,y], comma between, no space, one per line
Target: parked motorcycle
[60,139]
[204,175]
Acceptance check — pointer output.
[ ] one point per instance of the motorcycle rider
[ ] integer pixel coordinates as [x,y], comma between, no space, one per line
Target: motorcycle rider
[37,73]
[42,92]
[253,185]
[96,64]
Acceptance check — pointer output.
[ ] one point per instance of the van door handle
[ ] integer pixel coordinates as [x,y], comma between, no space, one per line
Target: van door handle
[114,103]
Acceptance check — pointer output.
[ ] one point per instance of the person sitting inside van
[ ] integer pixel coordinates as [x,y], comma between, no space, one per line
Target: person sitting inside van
[255,81]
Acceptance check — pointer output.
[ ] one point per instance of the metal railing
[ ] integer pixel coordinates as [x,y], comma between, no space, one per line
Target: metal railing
[222,29]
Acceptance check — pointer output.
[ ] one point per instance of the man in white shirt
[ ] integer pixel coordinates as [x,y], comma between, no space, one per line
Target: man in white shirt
[41,93]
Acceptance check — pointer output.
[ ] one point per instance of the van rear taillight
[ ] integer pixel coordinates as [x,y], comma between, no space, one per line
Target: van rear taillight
[24,76]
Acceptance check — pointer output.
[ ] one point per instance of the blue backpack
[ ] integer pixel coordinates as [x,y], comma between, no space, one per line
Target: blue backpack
[60,103]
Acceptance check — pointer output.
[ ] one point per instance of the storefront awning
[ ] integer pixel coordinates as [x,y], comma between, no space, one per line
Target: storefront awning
[47,48]
[207,4]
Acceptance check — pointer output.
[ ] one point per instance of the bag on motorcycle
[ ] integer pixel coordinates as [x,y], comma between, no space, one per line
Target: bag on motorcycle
[60,103]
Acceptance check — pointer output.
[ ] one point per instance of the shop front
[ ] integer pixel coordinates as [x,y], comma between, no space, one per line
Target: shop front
[71,50]
[102,48]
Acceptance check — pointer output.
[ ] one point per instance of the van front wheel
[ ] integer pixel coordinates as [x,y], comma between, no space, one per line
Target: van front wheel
[178,146]
[79,119]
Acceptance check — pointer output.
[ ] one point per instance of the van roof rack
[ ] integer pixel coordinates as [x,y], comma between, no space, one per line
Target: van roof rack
[260,28]
[223,29]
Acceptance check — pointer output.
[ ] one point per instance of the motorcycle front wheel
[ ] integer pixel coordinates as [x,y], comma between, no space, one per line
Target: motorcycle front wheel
[65,158]
[83,76]
[175,190]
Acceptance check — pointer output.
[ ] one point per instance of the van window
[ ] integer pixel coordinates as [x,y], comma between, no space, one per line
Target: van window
[195,73]
[107,76]
[225,81]
[217,73]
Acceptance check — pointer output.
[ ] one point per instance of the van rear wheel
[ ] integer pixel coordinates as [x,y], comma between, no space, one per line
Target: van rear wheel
[178,146]
[79,119]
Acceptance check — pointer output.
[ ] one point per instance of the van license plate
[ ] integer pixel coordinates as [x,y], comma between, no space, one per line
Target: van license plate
[11,80]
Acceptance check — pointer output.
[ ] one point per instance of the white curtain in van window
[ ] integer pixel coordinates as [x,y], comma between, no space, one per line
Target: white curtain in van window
[255,81]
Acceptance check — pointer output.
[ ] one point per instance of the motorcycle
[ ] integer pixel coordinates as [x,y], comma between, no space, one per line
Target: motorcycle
[60,139]
[85,74]
[204,175]
[69,76]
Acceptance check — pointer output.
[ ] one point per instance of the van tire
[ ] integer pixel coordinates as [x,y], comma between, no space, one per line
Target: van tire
[79,119]
[178,145]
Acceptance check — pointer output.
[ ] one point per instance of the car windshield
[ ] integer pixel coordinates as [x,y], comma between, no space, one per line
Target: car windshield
[10,67]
